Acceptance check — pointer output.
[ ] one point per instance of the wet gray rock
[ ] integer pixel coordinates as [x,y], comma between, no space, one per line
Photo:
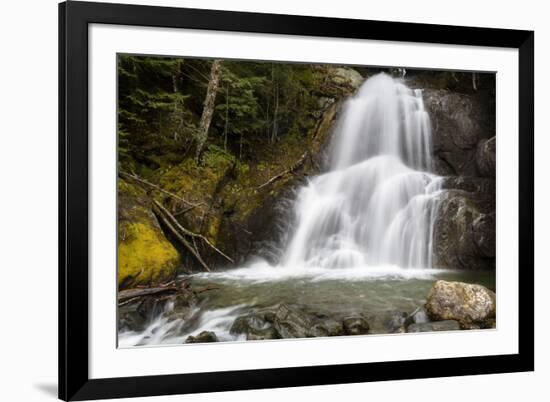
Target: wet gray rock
[254,327]
[397,322]
[291,323]
[150,306]
[203,337]
[483,228]
[334,328]
[447,325]
[464,235]
[482,187]
[327,327]
[129,319]
[347,77]
[420,317]
[486,157]
[473,306]
[283,321]
[459,122]
[355,326]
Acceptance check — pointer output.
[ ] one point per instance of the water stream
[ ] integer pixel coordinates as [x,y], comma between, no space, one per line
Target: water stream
[361,235]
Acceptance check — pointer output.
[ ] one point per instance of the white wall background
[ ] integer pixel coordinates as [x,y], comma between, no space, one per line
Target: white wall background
[28,200]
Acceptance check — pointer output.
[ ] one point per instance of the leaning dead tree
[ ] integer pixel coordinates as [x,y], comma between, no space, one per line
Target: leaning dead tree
[298,164]
[160,189]
[185,237]
[208,109]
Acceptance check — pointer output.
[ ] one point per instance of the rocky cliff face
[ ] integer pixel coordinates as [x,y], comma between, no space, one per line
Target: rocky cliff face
[463,125]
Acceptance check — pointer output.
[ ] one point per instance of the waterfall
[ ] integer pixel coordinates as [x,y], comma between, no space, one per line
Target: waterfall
[376,204]
[371,216]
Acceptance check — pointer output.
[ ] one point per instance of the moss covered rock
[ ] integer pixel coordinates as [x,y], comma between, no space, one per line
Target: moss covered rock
[145,256]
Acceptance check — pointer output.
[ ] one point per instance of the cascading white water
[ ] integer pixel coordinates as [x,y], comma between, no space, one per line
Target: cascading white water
[376,205]
[371,216]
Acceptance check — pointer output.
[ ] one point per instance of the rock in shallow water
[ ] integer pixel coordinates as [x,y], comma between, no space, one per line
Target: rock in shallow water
[203,337]
[355,326]
[473,306]
[283,321]
[254,327]
[447,325]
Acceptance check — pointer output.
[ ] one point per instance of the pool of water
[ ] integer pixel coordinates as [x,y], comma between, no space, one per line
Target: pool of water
[373,293]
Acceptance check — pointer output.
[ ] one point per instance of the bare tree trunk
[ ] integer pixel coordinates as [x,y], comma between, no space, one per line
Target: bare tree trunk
[178,119]
[267,124]
[274,133]
[226,118]
[208,109]
[241,146]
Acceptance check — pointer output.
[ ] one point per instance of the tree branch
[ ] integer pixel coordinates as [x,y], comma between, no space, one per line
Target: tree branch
[187,232]
[177,234]
[143,181]
[293,168]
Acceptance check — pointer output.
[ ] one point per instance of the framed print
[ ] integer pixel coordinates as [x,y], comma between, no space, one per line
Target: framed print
[258,201]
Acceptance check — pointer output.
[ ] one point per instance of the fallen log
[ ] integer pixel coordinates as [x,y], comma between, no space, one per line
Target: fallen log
[291,169]
[206,289]
[127,294]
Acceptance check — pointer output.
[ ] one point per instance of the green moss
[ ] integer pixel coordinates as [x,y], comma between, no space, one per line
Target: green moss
[127,189]
[144,255]
[243,168]
[215,157]
[213,228]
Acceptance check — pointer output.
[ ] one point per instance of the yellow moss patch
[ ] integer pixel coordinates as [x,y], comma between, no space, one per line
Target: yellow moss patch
[213,228]
[144,255]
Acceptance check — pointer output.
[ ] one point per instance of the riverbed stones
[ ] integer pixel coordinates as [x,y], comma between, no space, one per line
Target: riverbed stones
[473,306]
[397,322]
[419,316]
[203,337]
[446,325]
[284,321]
[254,327]
[291,323]
[355,326]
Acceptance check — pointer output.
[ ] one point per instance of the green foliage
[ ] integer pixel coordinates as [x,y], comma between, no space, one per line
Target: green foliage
[216,156]
[161,99]
[152,112]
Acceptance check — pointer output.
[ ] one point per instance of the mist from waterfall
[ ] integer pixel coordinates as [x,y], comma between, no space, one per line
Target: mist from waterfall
[376,205]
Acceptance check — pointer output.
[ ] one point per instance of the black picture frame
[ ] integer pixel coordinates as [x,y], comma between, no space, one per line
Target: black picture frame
[74,381]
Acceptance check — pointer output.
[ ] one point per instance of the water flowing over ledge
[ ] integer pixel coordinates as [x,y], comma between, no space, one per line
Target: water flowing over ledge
[376,205]
[361,233]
